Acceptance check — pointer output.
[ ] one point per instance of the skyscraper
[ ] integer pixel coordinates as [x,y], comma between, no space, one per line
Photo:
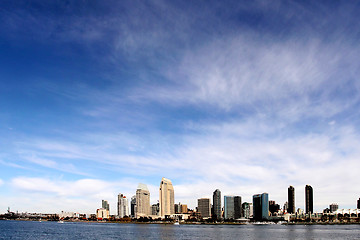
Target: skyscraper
[155,209]
[123,206]
[358,204]
[142,201]
[309,199]
[232,207]
[265,206]
[257,207]
[217,204]
[237,207]
[229,207]
[291,200]
[105,205]
[204,207]
[261,206]
[273,207]
[133,206]
[247,210]
[166,197]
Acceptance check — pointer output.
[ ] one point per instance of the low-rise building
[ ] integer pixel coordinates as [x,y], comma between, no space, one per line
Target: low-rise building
[102,213]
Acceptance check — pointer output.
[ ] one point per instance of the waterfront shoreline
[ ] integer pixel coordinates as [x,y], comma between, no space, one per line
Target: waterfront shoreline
[195,223]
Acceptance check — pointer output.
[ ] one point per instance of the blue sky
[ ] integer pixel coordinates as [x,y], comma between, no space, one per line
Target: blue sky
[247,97]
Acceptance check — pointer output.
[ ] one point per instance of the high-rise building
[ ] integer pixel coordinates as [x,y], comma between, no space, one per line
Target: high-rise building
[232,207]
[217,204]
[229,207]
[273,207]
[177,208]
[309,199]
[286,206]
[204,207]
[261,206]
[247,210]
[155,209]
[166,197]
[123,206]
[291,200]
[257,206]
[184,208]
[105,205]
[358,204]
[142,201]
[237,207]
[133,206]
[265,206]
[333,207]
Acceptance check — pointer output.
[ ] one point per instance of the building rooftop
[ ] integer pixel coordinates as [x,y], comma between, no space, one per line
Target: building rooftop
[142,187]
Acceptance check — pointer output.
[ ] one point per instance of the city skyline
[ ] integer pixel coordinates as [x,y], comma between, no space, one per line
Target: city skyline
[245,97]
[233,208]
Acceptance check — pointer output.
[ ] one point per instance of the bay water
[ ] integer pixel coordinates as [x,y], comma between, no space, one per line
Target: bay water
[84,230]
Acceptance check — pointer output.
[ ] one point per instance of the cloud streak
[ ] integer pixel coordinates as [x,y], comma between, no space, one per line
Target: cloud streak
[251,154]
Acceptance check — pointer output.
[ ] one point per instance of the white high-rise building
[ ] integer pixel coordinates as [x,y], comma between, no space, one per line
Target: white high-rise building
[123,206]
[166,197]
[142,201]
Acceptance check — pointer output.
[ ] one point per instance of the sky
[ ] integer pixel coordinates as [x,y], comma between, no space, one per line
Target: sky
[242,96]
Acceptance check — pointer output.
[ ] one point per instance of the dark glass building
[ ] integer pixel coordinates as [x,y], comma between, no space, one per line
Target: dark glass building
[273,207]
[265,206]
[217,204]
[358,204]
[257,207]
[232,207]
[133,206]
[309,199]
[237,207]
[261,206]
[291,200]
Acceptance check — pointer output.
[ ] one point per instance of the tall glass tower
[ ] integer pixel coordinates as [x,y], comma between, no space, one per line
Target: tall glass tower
[261,206]
[217,204]
[265,206]
[309,199]
[237,207]
[232,207]
[229,208]
[291,200]
[133,206]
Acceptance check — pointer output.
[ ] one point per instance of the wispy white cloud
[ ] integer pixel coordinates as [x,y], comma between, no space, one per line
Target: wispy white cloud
[11,164]
[292,79]
[238,157]
[83,195]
